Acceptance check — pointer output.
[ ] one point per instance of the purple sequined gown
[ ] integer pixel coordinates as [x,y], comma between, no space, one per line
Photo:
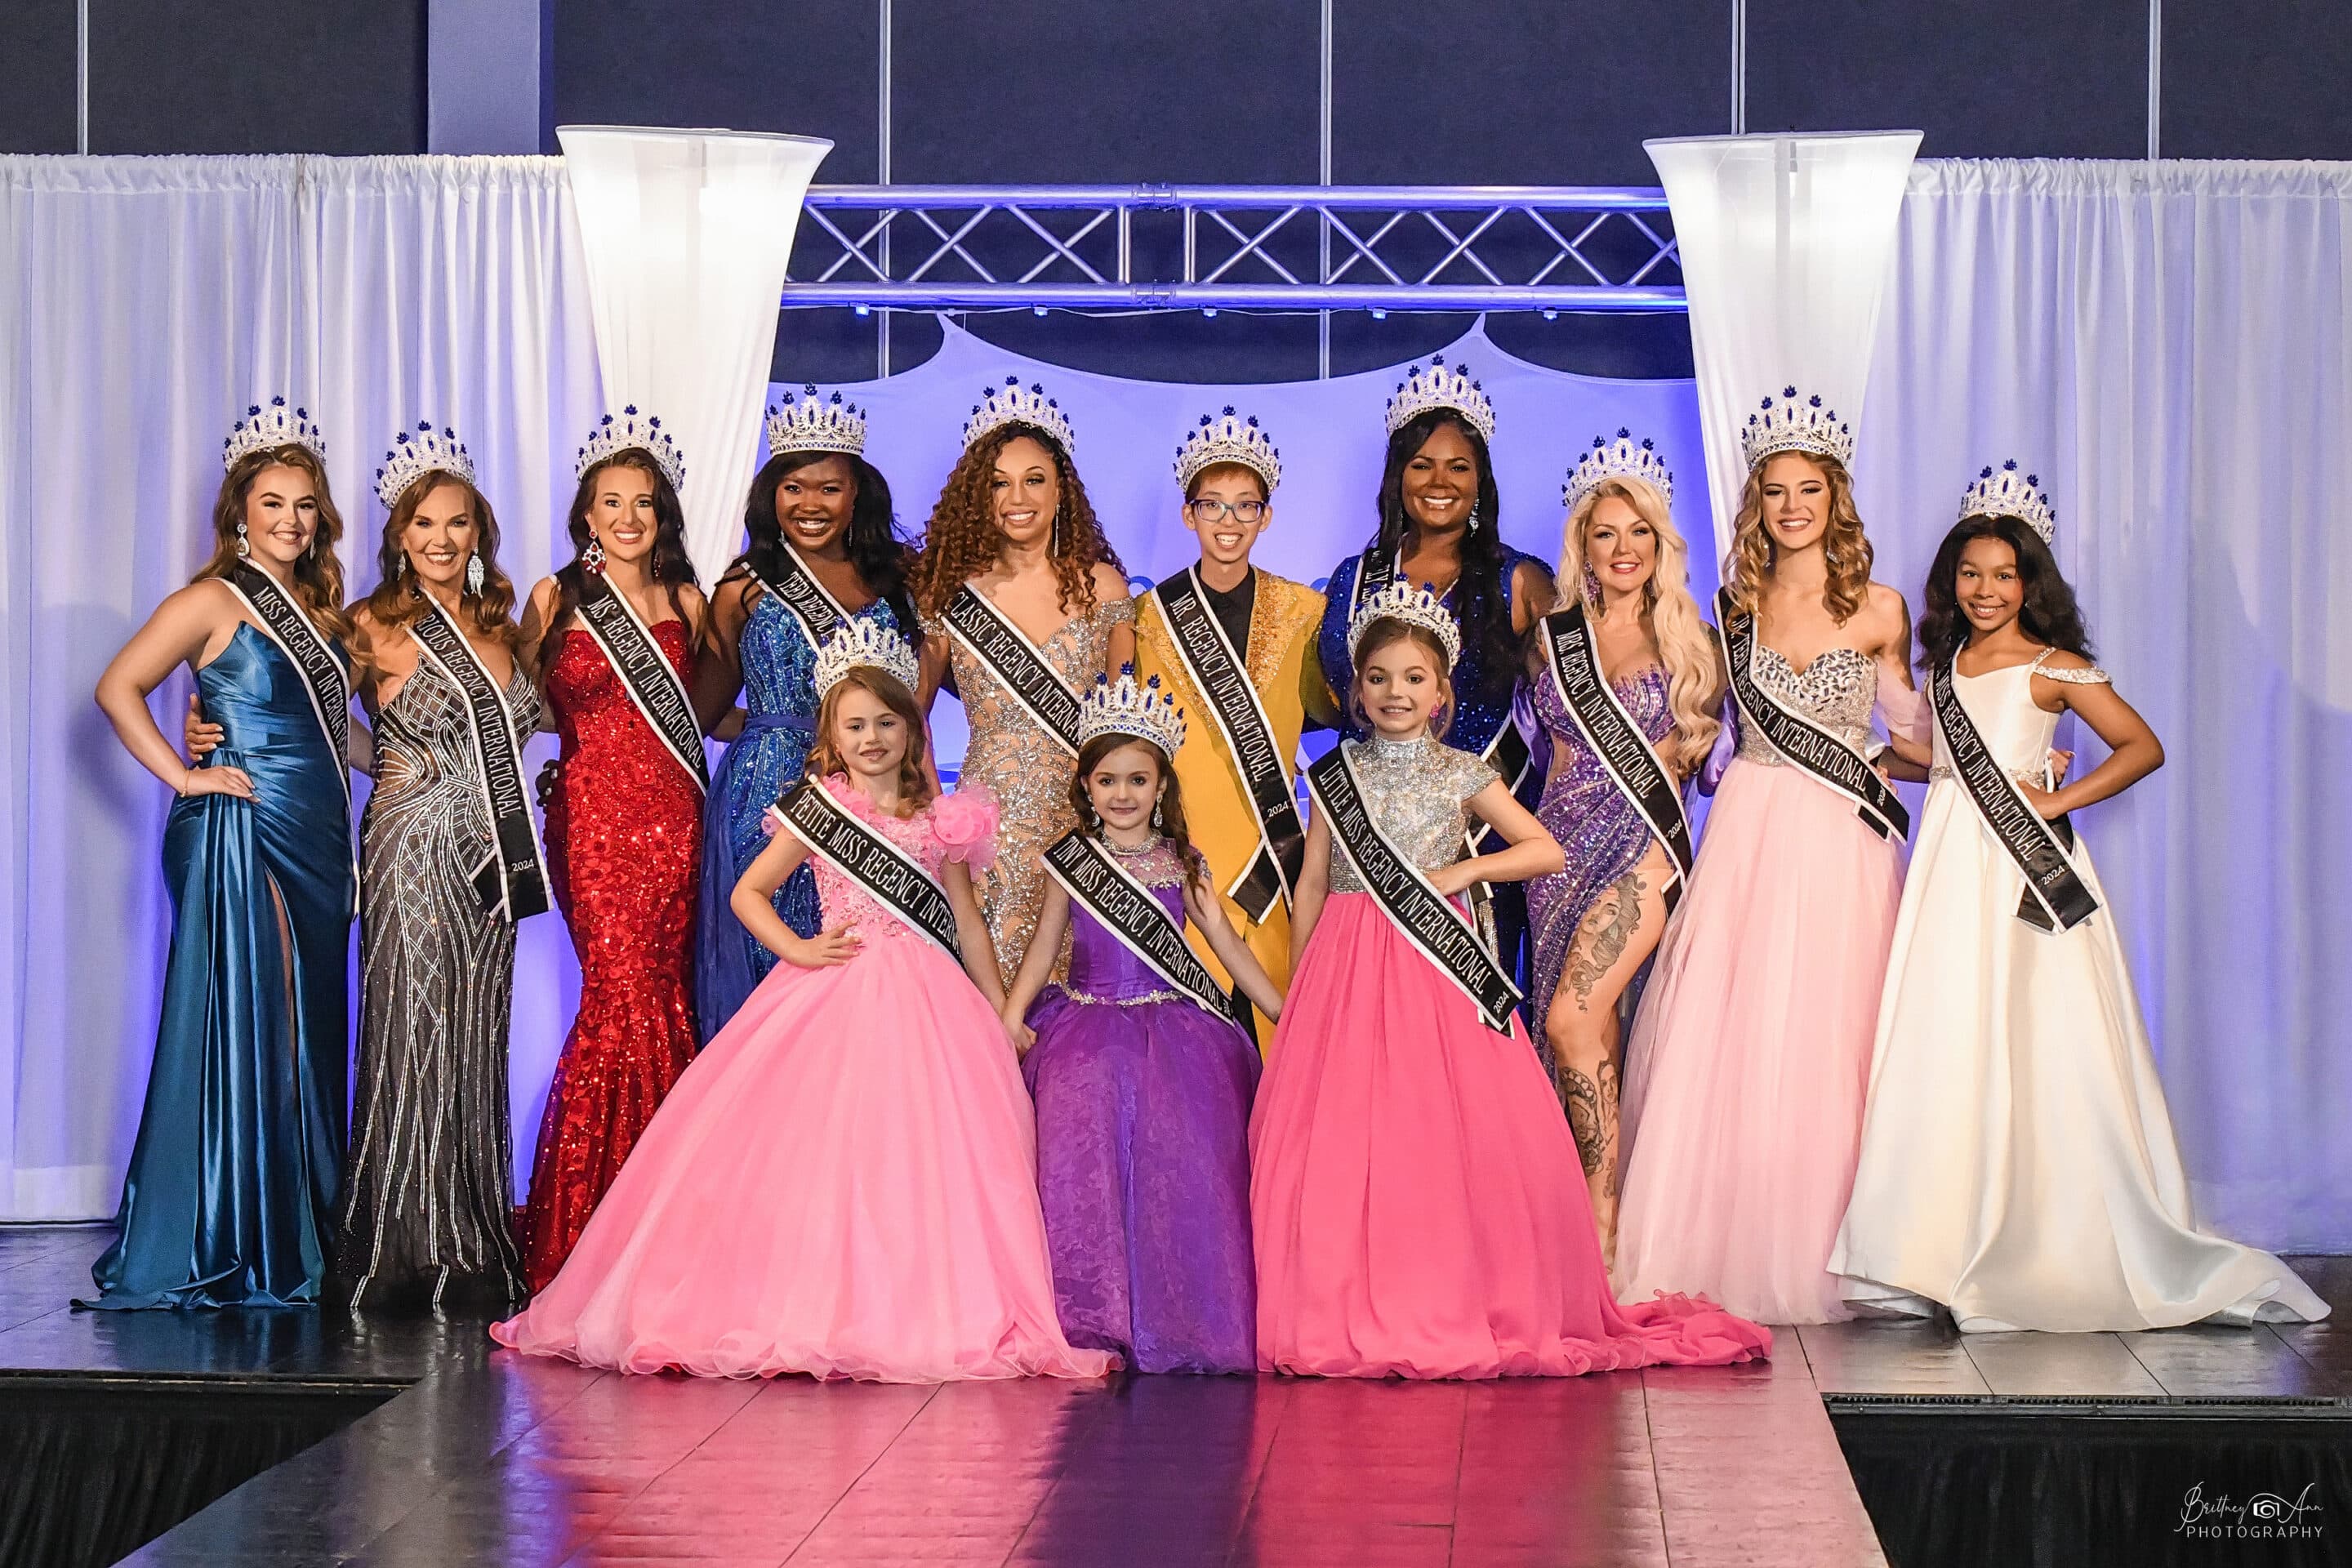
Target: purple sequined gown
[1143,1108]
[1603,835]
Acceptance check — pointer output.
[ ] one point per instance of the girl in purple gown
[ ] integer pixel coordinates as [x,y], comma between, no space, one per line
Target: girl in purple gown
[1143,1083]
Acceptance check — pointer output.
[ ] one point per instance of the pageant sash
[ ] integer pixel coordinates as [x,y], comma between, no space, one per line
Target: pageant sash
[894,879]
[1612,735]
[796,588]
[1127,909]
[511,880]
[1215,669]
[1508,752]
[1805,745]
[1016,663]
[652,681]
[1428,920]
[2056,898]
[324,679]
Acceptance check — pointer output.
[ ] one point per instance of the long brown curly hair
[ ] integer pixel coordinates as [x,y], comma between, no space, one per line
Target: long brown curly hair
[669,563]
[1749,564]
[962,540]
[398,599]
[318,575]
[1172,799]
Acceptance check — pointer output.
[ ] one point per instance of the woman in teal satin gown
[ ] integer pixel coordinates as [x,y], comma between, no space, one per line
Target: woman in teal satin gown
[231,1193]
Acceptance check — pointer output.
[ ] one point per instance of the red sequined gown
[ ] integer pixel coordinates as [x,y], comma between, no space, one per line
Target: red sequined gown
[624,846]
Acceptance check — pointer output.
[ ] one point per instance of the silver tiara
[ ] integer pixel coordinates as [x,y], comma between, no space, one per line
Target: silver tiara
[1228,439]
[267,429]
[1621,459]
[1438,387]
[1401,601]
[415,455]
[1788,425]
[1121,707]
[2001,492]
[632,432]
[806,424]
[1008,405]
[869,643]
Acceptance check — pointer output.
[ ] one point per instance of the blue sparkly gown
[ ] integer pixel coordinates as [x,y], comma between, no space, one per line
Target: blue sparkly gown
[780,716]
[1481,713]
[231,1195]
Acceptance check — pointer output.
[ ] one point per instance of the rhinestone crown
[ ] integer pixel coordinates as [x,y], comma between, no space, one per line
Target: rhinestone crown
[632,432]
[267,429]
[1620,459]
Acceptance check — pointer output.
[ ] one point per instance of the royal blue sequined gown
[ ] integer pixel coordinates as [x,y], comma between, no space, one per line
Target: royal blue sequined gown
[230,1199]
[780,705]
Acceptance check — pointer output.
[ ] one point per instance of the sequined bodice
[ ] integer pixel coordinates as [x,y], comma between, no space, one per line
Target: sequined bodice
[1574,767]
[1836,692]
[424,746]
[1415,791]
[844,900]
[1101,967]
[779,665]
[593,708]
[1483,706]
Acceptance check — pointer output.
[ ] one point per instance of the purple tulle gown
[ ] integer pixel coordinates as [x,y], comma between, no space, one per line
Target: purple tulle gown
[1143,1108]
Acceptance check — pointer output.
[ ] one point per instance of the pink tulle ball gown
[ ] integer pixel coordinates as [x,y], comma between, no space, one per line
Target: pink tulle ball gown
[1420,1208]
[842,1185]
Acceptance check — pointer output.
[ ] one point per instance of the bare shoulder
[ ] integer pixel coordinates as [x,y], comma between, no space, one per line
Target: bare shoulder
[209,599]
[1109,582]
[1531,576]
[544,595]
[1888,615]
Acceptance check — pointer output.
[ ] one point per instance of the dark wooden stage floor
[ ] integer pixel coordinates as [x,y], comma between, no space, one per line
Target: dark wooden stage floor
[495,1458]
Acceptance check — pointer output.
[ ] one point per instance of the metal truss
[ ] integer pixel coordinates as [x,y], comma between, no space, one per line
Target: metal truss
[1240,248]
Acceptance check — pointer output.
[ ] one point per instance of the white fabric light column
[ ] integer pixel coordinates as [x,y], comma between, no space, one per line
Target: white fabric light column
[686,233]
[1784,243]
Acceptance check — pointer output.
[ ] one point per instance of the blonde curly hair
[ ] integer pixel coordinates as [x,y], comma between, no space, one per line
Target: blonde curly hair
[962,540]
[1749,562]
[1693,686]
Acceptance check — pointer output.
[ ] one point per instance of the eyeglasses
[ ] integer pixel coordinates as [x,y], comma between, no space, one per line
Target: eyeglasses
[1208,510]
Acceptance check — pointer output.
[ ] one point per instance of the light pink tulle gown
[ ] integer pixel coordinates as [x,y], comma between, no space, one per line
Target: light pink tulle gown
[1419,1204]
[1748,1060]
[843,1184]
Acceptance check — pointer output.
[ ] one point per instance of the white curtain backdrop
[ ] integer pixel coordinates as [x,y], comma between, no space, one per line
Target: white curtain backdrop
[1784,242]
[2169,347]
[144,304]
[686,233]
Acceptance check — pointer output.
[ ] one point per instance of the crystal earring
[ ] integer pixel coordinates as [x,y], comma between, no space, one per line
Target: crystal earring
[1155,817]
[474,575]
[1592,585]
[592,559]
[243,550]
[1472,526]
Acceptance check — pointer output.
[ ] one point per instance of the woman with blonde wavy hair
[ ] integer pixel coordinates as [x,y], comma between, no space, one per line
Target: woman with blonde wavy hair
[1014,549]
[1596,922]
[1750,1054]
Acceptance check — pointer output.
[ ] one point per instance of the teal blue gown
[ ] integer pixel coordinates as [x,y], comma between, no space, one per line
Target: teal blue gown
[230,1197]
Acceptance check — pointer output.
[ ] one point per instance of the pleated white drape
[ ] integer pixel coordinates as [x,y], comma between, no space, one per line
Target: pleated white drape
[2169,347]
[144,304]
[1784,242]
[686,233]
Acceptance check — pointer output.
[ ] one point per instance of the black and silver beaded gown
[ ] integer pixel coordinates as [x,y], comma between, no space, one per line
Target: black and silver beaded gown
[428,1215]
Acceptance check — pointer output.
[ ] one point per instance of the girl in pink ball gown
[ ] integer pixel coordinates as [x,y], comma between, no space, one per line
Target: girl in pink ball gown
[844,1182]
[1419,1204]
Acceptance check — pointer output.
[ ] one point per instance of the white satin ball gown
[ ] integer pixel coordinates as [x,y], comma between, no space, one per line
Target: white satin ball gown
[2018,1163]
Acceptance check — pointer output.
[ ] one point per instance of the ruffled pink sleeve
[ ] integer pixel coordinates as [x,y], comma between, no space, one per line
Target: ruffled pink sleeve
[965,825]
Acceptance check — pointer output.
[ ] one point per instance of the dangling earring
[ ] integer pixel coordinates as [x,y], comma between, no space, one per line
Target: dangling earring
[1592,586]
[1155,817]
[474,575]
[1472,526]
[243,551]
[592,559]
[1054,542]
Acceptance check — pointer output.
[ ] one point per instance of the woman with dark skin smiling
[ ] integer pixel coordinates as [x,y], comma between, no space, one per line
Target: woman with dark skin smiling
[819,514]
[1047,594]
[230,1196]
[2018,1163]
[1439,512]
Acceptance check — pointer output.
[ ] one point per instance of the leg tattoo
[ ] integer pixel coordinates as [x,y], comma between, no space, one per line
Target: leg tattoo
[1611,926]
[1582,1098]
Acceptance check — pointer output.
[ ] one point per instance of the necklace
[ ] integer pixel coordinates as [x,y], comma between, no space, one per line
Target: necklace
[1146,847]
